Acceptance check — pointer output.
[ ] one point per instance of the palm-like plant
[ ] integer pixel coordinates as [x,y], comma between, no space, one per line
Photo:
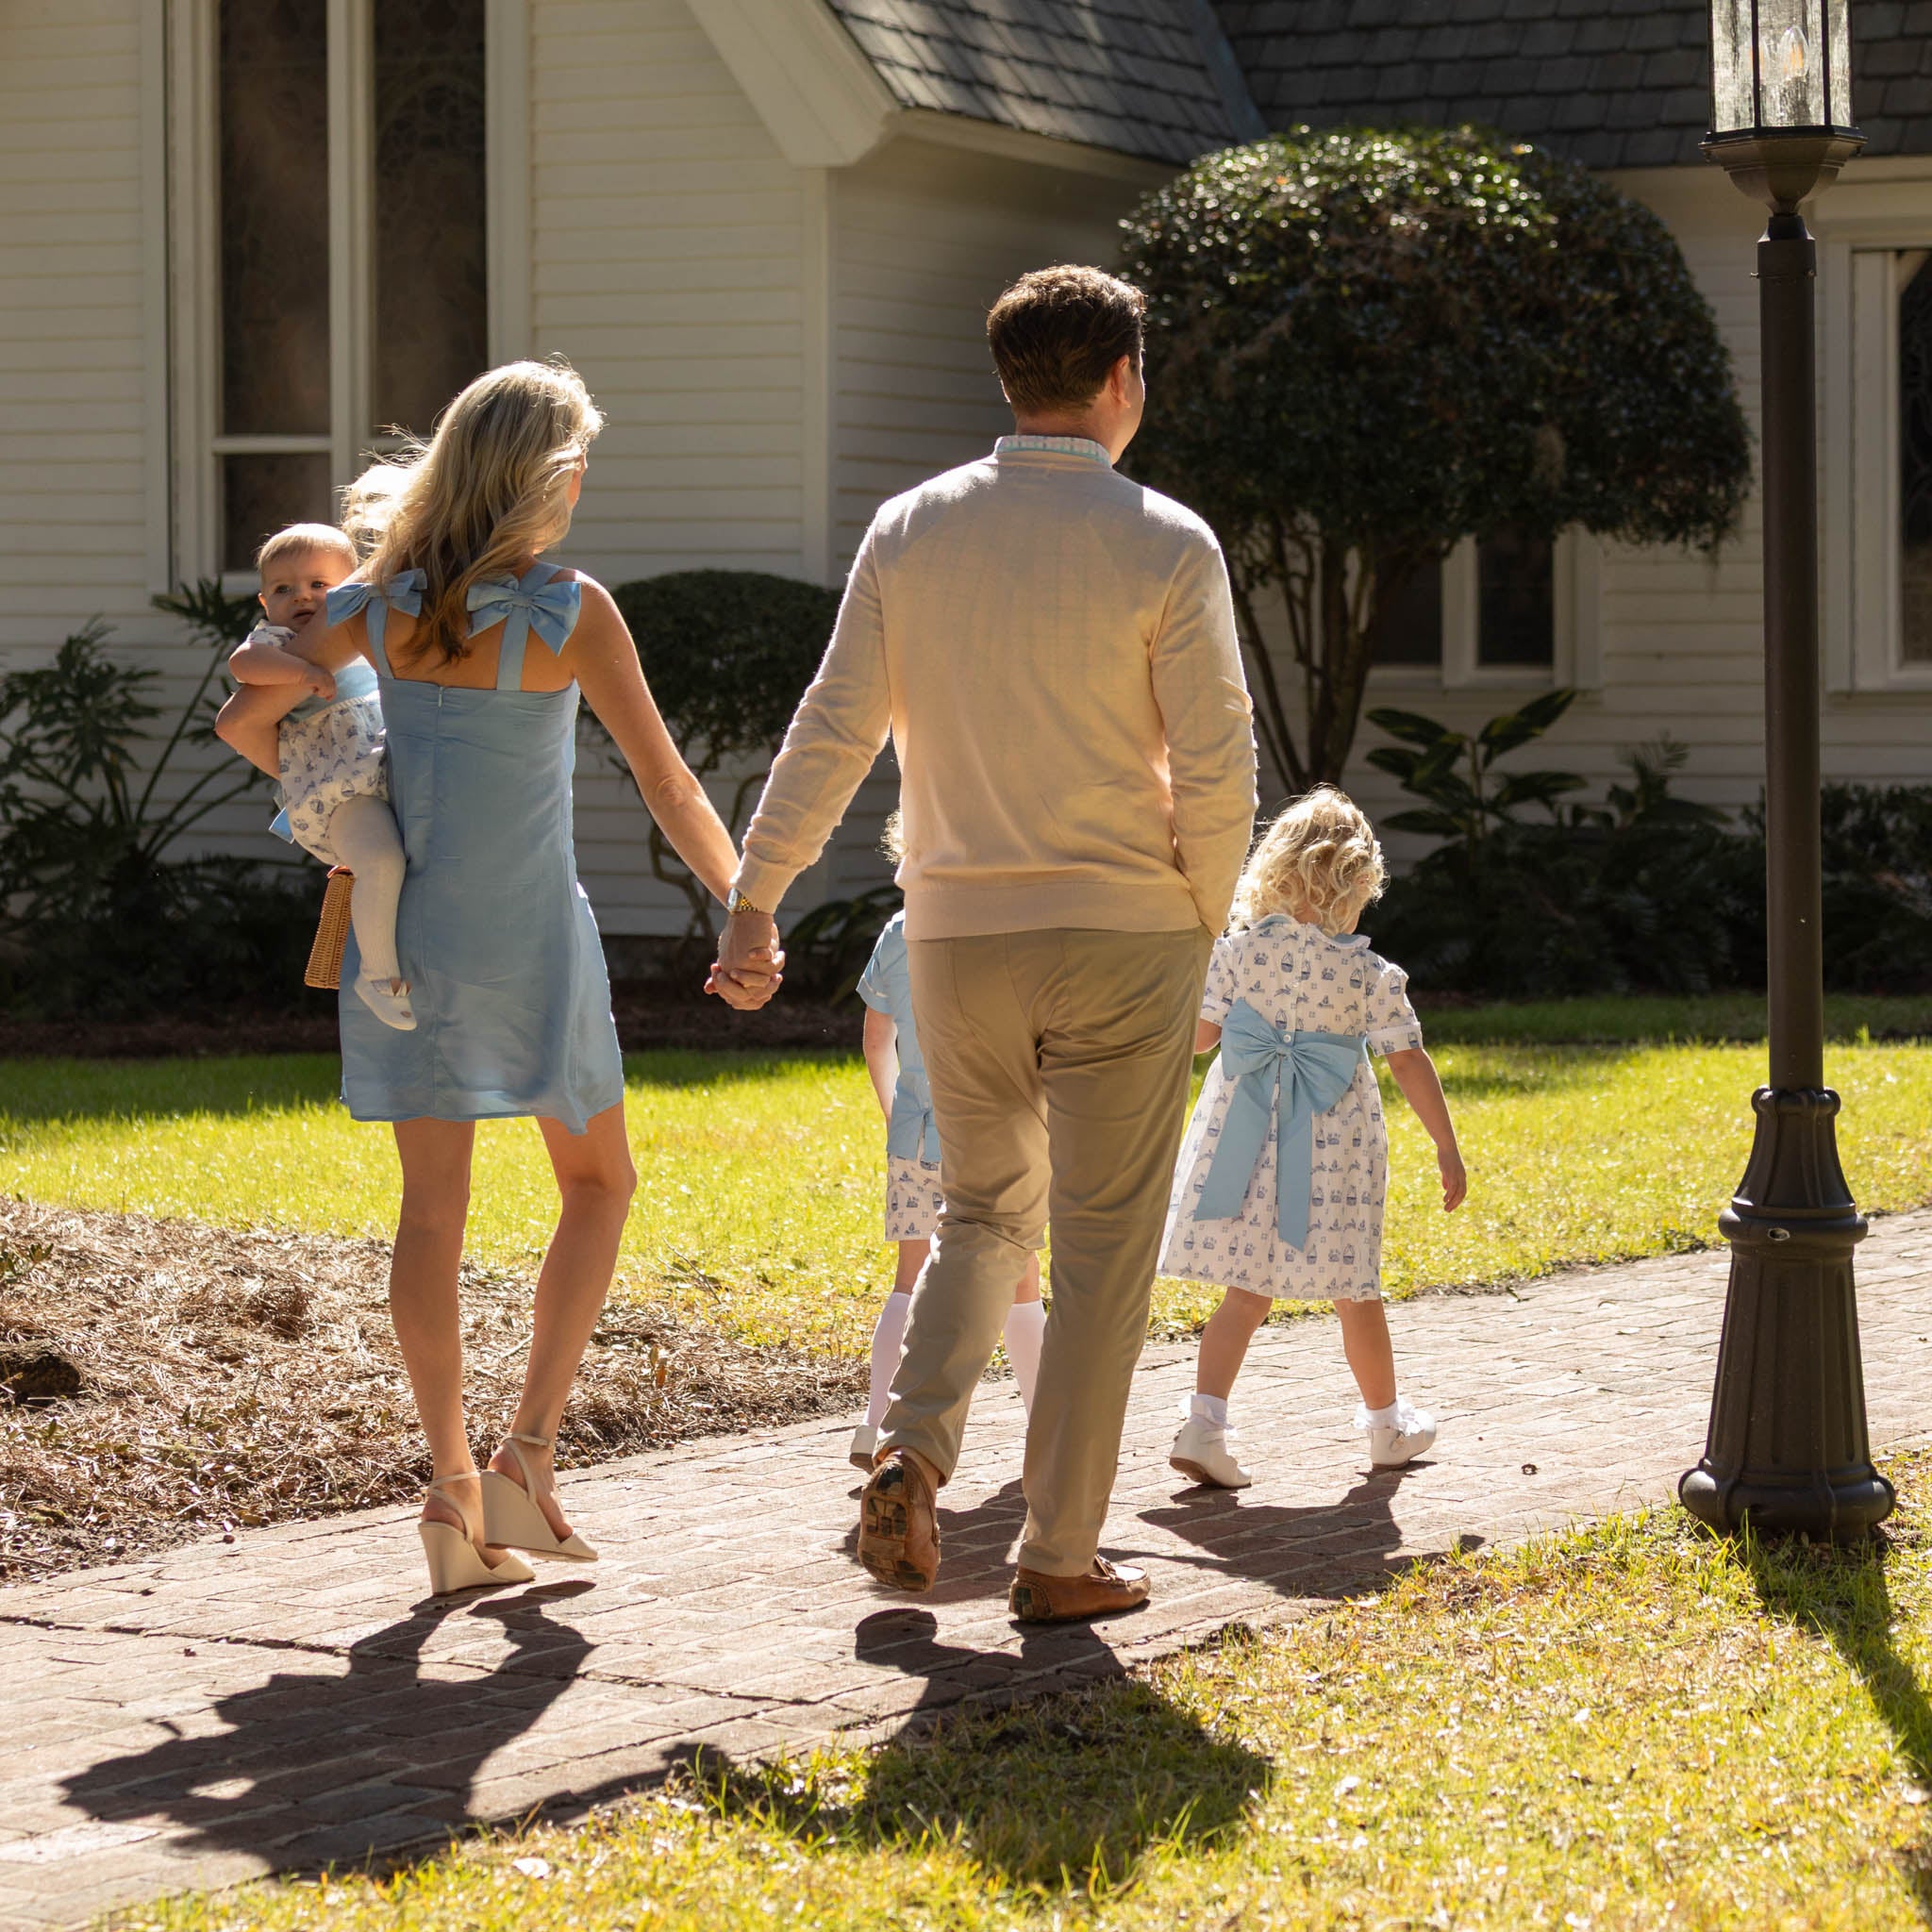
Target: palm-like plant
[1467,798]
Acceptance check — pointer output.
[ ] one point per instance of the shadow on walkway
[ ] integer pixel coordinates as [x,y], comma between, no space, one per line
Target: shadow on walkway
[395,1752]
[1327,1549]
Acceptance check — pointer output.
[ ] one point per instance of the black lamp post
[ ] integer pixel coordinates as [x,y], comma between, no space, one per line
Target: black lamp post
[1787,1447]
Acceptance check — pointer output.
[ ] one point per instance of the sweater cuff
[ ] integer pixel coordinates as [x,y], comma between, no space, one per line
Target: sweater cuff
[764,884]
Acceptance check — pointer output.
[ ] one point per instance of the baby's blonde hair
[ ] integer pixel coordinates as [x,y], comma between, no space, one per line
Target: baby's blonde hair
[488,490]
[1319,859]
[302,538]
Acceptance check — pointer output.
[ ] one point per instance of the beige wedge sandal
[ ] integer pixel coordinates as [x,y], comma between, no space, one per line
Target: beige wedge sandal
[454,1561]
[512,1516]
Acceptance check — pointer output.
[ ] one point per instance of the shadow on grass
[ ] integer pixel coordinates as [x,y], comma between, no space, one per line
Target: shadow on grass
[1072,1790]
[1843,1596]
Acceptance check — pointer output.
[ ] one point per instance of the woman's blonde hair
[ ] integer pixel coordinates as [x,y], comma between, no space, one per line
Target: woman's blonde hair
[1320,858]
[490,487]
[893,836]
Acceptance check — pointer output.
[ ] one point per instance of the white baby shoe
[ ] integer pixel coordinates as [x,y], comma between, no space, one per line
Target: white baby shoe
[1398,1433]
[392,1009]
[1205,1451]
[865,1440]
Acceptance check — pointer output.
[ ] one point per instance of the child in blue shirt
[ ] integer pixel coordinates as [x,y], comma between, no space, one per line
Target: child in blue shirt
[914,1199]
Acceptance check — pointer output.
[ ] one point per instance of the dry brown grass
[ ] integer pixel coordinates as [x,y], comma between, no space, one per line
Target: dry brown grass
[160,1380]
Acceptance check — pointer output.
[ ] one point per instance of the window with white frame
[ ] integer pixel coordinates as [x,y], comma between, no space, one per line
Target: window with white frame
[1512,610]
[1891,614]
[335,254]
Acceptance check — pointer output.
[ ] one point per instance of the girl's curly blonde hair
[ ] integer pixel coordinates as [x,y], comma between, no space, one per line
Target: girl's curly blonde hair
[1319,861]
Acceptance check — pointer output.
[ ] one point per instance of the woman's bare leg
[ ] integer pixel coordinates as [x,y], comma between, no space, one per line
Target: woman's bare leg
[423,1297]
[595,1179]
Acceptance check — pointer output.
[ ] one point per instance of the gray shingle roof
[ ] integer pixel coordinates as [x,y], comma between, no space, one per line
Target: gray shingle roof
[1150,77]
[1613,83]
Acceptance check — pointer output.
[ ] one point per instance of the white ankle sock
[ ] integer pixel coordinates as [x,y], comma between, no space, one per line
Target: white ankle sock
[886,1338]
[1025,1329]
[1211,1409]
[1389,1418]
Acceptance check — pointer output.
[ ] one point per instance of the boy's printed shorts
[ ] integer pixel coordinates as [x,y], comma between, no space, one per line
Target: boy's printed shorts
[913,1200]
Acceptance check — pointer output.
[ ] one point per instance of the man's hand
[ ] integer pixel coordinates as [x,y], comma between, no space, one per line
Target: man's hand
[750,967]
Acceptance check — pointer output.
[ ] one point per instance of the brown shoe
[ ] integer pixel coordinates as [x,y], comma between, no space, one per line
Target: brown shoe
[1105,1591]
[899,1525]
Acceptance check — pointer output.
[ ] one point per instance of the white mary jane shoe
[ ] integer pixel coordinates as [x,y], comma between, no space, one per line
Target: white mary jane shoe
[1391,1445]
[392,1009]
[1206,1454]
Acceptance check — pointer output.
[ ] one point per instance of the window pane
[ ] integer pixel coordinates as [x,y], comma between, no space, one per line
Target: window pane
[1409,627]
[1915,463]
[260,494]
[273,91]
[1517,587]
[431,314]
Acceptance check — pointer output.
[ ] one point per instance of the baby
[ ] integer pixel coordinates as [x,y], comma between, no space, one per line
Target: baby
[321,738]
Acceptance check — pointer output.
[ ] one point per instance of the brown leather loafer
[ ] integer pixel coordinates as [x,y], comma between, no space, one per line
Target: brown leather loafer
[1105,1591]
[899,1525]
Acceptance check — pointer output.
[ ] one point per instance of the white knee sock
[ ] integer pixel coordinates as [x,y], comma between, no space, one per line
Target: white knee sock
[886,1338]
[1025,1330]
[363,834]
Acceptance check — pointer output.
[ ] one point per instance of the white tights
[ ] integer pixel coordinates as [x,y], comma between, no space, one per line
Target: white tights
[363,835]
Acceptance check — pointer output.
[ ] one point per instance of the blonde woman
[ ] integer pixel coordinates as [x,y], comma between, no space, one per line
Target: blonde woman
[482,650]
[1279,1189]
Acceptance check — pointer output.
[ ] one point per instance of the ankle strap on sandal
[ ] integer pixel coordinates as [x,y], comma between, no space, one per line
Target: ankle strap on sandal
[535,1441]
[461,1475]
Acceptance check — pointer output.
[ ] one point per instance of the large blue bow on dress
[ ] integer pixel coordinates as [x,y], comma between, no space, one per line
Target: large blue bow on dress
[403,592]
[545,603]
[1291,1077]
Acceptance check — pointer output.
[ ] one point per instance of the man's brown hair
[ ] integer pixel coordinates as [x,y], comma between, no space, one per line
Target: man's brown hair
[1056,332]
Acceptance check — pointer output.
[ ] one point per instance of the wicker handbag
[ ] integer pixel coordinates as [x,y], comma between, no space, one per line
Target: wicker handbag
[325,955]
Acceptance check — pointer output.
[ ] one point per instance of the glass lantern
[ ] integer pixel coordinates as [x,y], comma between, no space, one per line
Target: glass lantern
[1781,95]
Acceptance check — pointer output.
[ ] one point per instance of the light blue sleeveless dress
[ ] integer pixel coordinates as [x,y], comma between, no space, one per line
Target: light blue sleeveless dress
[496,939]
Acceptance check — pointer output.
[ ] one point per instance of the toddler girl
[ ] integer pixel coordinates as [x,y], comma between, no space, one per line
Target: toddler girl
[328,748]
[1282,1175]
[913,1200]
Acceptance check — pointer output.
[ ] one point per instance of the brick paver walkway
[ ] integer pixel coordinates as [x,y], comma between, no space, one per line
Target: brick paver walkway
[288,1700]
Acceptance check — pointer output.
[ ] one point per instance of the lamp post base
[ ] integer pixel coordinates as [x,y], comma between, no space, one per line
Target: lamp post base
[1787,1449]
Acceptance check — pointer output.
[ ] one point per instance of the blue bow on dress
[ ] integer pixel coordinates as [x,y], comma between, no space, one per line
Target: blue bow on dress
[403,592]
[538,600]
[1291,1077]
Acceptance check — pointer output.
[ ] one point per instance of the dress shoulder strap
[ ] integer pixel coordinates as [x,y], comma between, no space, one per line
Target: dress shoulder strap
[542,600]
[404,590]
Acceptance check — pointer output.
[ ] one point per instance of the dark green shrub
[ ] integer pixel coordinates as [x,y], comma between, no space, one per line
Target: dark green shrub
[1367,344]
[727,654]
[98,911]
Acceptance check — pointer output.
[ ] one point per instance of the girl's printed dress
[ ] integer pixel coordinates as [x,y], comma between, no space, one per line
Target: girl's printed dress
[330,750]
[914,1200]
[1299,979]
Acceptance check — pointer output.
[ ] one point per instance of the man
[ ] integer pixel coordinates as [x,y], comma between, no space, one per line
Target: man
[1052,650]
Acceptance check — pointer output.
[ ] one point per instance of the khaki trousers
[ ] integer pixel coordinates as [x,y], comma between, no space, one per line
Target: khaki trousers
[1059,1063]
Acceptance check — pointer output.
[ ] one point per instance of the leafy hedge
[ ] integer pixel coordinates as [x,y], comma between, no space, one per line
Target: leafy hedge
[1648,892]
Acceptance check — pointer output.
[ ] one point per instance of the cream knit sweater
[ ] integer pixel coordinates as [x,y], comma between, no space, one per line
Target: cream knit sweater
[1052,650]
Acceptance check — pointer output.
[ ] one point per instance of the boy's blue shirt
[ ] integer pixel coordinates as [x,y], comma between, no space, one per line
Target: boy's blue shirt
[885,987]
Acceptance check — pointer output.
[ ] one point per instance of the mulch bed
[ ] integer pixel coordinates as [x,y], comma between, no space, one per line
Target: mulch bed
[161,1381]
[649,1014]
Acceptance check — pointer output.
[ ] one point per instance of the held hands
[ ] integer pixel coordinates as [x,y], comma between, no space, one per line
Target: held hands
[750,966]
[1454,1180]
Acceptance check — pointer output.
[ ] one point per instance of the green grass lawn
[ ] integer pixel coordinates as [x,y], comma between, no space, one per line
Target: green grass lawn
[762,1174]
[1632,1727]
